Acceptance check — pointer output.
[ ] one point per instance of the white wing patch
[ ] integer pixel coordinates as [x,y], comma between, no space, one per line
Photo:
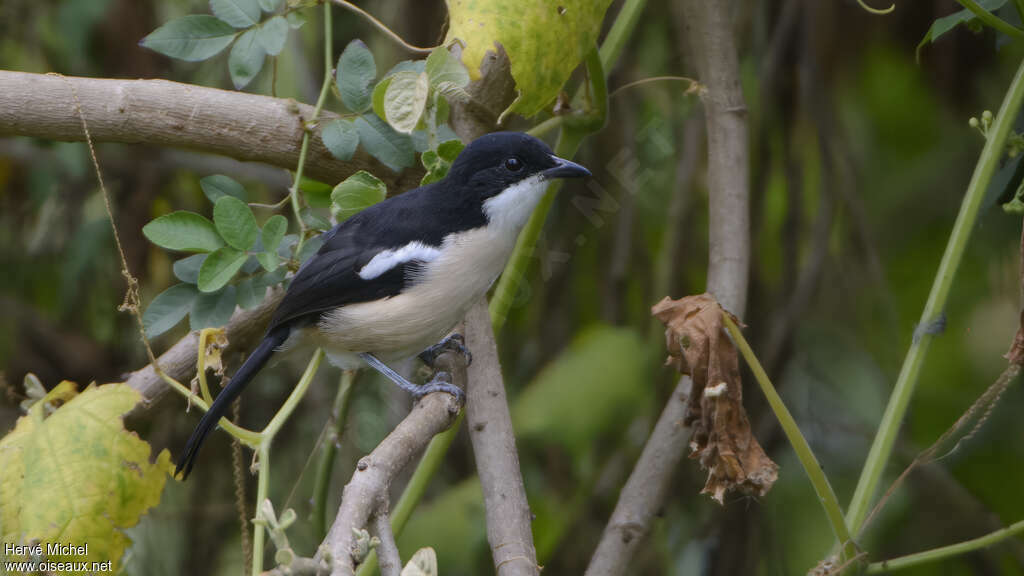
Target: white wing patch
[388,259]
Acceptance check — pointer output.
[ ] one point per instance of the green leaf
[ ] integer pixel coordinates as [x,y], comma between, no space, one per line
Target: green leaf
[379,91]
[168,308]
[318,194]
[191,38]
[392,148]
[272,35]
[295,20]
[405,99]
[449,150]
[313,220]
[545,41]
[268,260]
[248,297]
[187,269]
[218,185]
[235,222]
[77,475]
[356,72]
[219,268]
[341,138]
[263,281]
[356,193]
[273,231]
[442,67]
[246,59]
[184,231]
[271,5]
[238,13]
[943,25]
[213,310]
[309,248]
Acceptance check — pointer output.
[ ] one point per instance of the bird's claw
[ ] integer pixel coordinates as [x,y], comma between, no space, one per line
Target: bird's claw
[441,382]
[452,343]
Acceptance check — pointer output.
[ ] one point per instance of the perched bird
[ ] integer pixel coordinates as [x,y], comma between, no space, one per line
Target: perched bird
[391,281]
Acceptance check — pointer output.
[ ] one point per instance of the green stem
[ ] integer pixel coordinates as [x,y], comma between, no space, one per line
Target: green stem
[620,32]
[286,410]
[262,487]
[812,468]
[1019,5]
[946,551]
[991,19]
[304,150]
[933,309]
[330,448]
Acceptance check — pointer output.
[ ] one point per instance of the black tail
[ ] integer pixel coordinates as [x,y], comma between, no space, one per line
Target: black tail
[249,368]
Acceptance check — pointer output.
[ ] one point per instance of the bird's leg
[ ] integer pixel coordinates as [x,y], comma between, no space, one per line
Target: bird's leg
[451,343]
[441,382]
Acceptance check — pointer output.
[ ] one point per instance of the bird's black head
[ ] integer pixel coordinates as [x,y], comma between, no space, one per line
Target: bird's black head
[506,173]
[501,159]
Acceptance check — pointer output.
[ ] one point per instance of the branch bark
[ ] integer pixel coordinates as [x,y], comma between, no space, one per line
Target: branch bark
[179,362]
[712,46]
[371,480]
[494,447]
[235,124]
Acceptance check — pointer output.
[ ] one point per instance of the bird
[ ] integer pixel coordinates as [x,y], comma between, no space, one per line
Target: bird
[390,282]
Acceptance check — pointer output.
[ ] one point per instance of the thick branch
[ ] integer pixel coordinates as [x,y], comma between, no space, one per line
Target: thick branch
[709,29]
[375,472]
[236,124]
[494,447]
[179,362]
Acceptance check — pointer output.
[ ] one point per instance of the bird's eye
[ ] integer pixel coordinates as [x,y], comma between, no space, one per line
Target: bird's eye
[513,164]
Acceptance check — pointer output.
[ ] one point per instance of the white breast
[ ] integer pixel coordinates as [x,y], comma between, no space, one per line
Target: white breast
[451,280]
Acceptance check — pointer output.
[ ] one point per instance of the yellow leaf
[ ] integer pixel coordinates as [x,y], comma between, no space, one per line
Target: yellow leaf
[76,476]
[545,40]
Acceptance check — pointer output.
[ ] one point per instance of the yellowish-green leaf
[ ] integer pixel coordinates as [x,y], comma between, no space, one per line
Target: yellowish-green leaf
[76,475]
[544,41]
[405,99]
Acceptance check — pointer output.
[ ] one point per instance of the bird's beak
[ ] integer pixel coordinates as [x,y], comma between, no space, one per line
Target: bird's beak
[564,169]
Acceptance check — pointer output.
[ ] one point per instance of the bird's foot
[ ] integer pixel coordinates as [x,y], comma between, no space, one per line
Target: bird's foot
[452,343]
[441,382]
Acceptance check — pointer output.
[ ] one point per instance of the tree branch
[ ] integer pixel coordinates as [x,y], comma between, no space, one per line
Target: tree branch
[235,124]
[709,29]
[375,472]
[179,362]
[494,447]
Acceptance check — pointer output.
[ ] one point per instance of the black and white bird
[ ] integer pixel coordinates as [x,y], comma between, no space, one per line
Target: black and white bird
[393,280]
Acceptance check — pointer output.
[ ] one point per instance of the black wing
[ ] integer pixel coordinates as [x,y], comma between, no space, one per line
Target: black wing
[330,278]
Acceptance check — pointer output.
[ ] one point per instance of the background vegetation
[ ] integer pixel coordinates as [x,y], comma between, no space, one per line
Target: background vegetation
[860,156]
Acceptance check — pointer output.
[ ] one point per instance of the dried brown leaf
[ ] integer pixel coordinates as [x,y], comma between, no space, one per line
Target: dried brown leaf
[721,439]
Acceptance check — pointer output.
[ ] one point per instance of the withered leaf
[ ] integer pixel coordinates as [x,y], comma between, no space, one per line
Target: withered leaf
[721,440]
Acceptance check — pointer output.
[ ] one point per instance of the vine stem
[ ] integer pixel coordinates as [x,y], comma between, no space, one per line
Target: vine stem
[991,19]
[304,150]
[944,552]
[330,448]
[266,438]
[383,28]
[810,463]
[881,448]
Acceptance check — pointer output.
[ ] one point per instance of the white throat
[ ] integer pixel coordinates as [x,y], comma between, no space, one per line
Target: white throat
[511,208]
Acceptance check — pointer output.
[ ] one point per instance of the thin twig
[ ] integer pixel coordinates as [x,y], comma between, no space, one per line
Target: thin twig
[946,551]
[239,474]
[383,28]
